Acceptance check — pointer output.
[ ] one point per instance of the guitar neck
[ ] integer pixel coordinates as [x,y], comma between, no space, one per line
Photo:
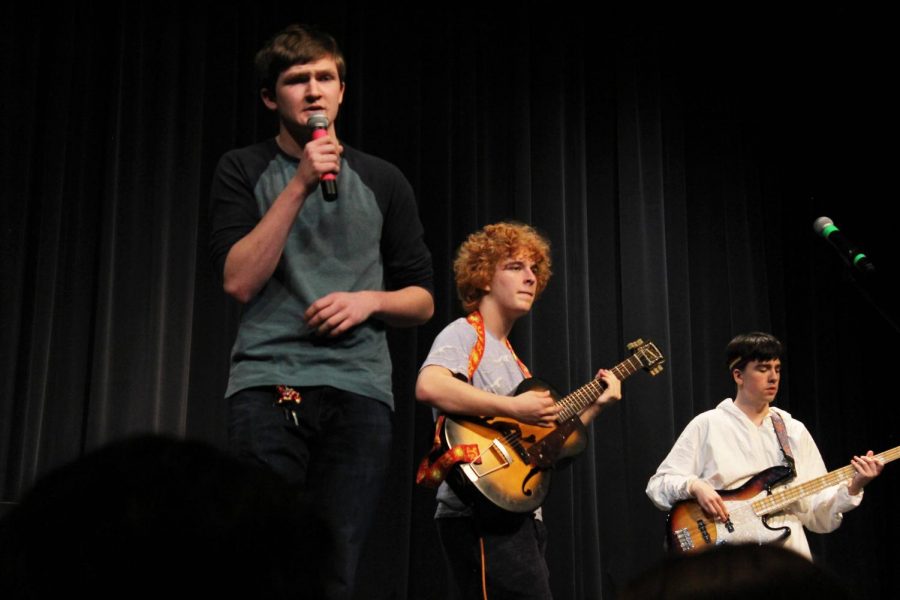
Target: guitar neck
[779,500]
[584,396]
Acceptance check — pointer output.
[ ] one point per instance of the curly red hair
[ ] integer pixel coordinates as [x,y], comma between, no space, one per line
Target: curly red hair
[479,255]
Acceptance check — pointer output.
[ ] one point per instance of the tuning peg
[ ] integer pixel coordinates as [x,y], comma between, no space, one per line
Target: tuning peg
[656,370]
[635,344]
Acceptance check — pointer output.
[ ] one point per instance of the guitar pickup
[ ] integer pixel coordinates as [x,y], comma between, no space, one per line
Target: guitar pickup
[701,526]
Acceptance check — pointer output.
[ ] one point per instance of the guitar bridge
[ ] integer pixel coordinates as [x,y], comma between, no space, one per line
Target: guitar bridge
[683,537]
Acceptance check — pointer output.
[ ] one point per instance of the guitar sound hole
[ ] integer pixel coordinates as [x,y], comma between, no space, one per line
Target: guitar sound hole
[525,481]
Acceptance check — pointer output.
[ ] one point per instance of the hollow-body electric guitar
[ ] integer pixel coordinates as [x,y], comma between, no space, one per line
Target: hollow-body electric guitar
[689,529]
[515,459]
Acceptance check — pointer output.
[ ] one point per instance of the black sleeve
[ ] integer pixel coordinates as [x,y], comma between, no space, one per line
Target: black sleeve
[233,211]
[407,260]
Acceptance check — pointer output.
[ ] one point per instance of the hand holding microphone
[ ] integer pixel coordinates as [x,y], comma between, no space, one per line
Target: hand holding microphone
[319,125]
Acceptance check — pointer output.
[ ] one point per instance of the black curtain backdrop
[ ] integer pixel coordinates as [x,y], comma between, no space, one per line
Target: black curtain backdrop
[675,160]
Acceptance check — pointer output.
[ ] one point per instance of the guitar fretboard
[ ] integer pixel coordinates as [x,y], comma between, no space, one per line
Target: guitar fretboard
[779,500]
[584,396]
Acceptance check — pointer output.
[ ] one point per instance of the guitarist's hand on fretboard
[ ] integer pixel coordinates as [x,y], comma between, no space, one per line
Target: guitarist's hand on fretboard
[612,393]
[867,468]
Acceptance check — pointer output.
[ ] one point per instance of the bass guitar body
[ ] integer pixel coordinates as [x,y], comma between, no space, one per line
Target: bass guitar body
[689,529]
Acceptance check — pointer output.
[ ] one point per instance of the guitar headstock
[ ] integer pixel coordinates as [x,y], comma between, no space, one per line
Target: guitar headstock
[648,355]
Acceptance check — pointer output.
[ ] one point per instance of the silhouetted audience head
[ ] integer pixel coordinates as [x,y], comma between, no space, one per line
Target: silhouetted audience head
[736,571]
[150,516]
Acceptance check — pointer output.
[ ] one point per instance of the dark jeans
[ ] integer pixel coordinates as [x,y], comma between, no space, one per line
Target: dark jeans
[334,446]
[514,562]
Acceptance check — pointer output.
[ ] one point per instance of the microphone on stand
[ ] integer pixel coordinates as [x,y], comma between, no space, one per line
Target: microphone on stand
[853,255]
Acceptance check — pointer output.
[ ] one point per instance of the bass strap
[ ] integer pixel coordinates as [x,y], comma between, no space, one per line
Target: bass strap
[781,434]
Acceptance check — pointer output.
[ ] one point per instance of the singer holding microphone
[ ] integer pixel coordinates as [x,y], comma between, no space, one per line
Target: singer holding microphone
[323,246]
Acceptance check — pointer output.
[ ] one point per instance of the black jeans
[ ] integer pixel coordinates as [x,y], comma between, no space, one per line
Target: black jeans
[334,446]
[514,562]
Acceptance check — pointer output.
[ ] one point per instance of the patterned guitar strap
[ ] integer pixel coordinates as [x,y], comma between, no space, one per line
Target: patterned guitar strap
[781,434]
[435,465]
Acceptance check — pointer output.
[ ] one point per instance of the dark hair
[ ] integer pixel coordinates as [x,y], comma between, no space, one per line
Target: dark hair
[737,571]
[157,512]
[295,45]
[752,346]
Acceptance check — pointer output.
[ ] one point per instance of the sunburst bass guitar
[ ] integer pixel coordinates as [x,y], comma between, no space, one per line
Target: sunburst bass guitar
[515,459]
[689,529]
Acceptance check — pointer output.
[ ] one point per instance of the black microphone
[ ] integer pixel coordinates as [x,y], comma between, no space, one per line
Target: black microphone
[853,255]
[319,125]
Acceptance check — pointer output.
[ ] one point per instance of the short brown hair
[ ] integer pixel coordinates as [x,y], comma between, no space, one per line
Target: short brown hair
[479,255]
[295,45]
